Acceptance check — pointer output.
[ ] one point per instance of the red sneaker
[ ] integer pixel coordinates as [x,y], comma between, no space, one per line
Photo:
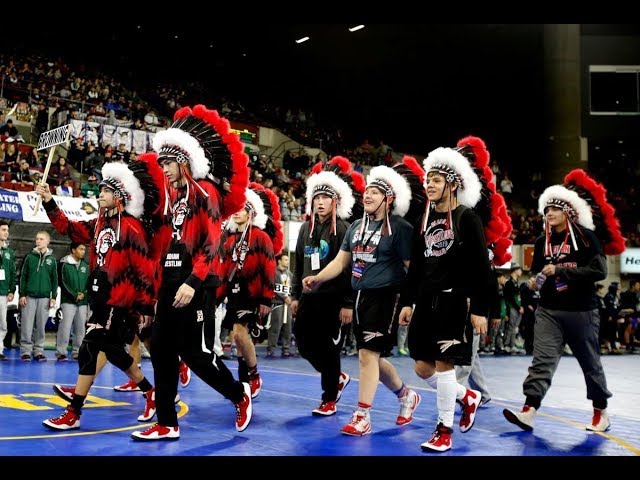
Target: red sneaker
[359,425]
[440,441]
[185,375]
[157,432]
[130,386]
[343,381]
[65,393]
[150,406]
[244,409]
[325,409]
[67,421]
[255,383]
[469,404]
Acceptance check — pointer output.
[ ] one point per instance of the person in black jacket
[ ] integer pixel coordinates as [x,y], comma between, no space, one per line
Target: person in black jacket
[568,260]
[448,290]
[321,314]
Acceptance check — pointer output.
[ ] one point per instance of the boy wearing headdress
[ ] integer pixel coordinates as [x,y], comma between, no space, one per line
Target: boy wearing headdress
[580,229]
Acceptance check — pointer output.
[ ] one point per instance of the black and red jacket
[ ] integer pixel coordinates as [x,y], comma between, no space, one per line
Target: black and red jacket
[196,229]
[123,271]
[253,279]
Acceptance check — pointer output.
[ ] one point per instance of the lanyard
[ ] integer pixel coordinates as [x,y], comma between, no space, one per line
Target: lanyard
[553,258]
[364,242]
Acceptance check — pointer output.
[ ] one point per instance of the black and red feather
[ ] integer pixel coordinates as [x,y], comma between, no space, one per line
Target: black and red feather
[607,225]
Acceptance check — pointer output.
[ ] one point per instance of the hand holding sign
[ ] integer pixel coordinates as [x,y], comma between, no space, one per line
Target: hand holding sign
[49,140]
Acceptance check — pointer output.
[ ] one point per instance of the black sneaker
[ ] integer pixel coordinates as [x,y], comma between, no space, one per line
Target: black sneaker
[40,358]
[3,357]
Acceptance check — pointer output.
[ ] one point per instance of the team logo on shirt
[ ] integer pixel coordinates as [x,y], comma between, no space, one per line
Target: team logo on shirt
[322,250]
[179,213]
[437,239]
[106,239]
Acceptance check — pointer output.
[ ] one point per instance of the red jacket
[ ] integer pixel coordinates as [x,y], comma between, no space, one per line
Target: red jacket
[123,270]
[196,227]
[258,270]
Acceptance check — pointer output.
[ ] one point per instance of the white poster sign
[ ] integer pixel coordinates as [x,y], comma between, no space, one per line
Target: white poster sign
[630,261]
[77,209]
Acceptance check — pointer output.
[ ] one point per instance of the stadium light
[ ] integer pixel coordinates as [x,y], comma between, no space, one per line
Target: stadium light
[356,28]
[302,40]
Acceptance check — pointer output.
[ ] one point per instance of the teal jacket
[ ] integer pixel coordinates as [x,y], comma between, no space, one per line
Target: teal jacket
[39,276]
[8,265]
[73,278]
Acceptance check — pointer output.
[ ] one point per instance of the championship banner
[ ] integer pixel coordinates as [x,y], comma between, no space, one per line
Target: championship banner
[109,136]
[77,209]
[124,136]
[92,132]
[139,141]
[77,129]
[10,205]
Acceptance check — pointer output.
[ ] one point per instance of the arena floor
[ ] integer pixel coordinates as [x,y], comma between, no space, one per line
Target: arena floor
[283,426]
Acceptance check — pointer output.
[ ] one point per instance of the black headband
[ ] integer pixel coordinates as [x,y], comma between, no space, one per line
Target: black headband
[451,176]
[326,190]
[118,188]
[382,185]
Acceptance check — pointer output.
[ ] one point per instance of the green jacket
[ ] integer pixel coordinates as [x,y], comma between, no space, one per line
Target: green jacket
[8,265]
[73,277]
[39,276]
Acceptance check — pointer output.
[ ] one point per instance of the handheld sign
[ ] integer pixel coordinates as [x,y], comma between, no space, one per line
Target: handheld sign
[50,139]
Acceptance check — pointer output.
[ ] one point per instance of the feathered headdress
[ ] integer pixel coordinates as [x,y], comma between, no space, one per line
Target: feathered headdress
[412,172]
[467,166]
[138,189]
[201,139]
[491,208]
[584,201]
[455,167]
[395,186]
[264,213]
[338,180]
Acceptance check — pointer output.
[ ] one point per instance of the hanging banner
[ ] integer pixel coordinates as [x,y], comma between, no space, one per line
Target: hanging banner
[20,205]
[10,205]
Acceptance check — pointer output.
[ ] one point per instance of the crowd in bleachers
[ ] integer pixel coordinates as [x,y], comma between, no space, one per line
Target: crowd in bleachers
[76,93]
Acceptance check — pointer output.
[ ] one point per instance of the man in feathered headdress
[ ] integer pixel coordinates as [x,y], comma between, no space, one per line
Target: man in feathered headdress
[320,315]
[377,248]
[248,270]
[580,228]
[206,173]
[448,287]
[123,278]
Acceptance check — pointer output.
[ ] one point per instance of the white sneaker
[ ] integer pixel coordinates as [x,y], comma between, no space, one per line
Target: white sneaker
[359,425]
[524,419]
[408,405]
[343,381]
[600,421]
